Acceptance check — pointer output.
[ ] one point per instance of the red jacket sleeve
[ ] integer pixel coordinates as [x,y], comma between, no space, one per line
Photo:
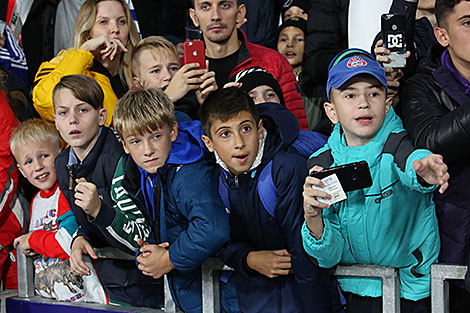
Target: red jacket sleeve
[10,225]
[44,242]
[292,96]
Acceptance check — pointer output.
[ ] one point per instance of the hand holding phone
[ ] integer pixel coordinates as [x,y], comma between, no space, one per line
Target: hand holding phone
[393,30]
[194,52]
[352,176]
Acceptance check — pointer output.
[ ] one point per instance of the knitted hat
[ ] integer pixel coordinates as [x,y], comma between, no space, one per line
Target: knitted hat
[256,76]
[294,21]
[303,4]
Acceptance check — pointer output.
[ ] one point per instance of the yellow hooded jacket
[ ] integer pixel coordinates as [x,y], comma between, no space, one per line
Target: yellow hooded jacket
[68,62]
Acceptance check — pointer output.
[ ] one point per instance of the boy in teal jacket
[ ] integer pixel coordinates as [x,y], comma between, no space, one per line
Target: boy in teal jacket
[391,223]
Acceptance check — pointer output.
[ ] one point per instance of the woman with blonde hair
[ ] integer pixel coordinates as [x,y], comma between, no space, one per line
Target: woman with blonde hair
[104,37]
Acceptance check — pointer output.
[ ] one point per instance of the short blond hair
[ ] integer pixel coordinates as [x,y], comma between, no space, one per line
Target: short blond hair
[34,130]
[152,42]
[141,111]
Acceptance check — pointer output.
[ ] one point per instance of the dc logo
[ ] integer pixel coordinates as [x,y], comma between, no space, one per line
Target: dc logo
[395,41]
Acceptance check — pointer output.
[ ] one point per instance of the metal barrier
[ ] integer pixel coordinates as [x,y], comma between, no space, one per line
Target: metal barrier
[389,276]
[26,276]
[211,268]
[440,273]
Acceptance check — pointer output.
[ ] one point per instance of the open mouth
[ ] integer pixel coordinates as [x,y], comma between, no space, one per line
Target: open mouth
[241,158]
[290,54]
[364,120]
[75,132]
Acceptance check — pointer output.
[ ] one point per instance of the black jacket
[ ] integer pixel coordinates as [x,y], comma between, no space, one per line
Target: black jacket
[436,113]
[327,35]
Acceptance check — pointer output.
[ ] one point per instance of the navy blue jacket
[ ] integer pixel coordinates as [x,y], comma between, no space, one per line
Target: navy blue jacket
[98,167]
[193,218]
[253,228]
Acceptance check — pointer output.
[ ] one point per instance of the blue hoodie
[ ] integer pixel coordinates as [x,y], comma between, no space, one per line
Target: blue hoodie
[191,215]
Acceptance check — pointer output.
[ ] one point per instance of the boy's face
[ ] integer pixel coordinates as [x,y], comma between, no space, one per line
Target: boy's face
[217,18]
[455,34]
[360,108]
[156,68]
[263,94]
[295,11]
[151,150]
[36,163]
[291,45]
[77,122]
[236,141]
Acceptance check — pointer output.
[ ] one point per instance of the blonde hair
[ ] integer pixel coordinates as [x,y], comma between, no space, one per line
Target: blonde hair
[34,130]
[86,19]
[151,42]
[141,111]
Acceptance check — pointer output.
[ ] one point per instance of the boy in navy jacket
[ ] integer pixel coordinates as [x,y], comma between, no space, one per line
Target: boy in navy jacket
[264,248]
[172,182]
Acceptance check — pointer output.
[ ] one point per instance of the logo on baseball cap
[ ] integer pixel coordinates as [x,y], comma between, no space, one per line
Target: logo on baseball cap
[350,63]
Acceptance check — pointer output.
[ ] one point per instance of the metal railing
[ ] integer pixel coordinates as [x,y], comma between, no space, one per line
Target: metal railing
[389,276]
[440,274]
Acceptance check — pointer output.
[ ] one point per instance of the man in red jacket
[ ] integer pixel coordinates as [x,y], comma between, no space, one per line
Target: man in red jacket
[229,52]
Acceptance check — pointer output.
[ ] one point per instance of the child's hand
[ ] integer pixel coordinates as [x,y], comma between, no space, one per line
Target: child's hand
[312,207]
[155,260]
[270,263]
[86,197]
[233,84]
[183,81]
[433,170]
[104,47]
[81,246]
[22,241]
[208,85]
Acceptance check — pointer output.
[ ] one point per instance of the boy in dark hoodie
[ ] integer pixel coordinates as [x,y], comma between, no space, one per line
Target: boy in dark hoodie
[264,247]
[168,176]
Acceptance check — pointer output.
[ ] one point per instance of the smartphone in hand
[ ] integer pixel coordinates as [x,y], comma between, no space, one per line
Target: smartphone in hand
[393,30]
[352,176]
[194,52]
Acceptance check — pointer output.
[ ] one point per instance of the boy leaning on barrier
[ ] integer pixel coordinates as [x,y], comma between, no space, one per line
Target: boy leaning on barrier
[167,174]
[393,222]
[248,141]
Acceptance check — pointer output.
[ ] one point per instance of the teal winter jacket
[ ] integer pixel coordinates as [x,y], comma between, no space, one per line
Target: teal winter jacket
[392,223]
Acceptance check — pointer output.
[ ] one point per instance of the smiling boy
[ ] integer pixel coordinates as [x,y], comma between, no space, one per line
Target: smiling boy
[393,222]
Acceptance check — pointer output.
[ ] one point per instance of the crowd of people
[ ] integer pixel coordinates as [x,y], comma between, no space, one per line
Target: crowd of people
[120,143]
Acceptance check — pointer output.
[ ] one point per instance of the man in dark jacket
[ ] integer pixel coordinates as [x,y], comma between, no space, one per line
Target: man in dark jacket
[436,111]
[229,52]
[265,235]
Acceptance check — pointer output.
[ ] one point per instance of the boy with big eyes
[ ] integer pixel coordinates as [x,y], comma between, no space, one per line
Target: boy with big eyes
[264,248]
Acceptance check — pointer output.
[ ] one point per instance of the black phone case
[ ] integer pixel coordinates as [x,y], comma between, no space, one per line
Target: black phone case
[352,176]
[393,30]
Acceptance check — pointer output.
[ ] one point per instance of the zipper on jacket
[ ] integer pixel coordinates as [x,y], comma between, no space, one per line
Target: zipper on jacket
[70,171]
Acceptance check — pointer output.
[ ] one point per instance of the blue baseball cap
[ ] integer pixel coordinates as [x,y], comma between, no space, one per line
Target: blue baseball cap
[350,63]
